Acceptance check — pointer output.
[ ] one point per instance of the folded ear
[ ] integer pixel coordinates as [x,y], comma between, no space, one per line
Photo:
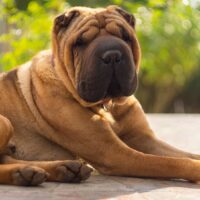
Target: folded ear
[63,20]
[127,16]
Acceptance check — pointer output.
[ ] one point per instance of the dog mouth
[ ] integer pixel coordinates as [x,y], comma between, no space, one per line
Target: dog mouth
[98,90]
[114,89]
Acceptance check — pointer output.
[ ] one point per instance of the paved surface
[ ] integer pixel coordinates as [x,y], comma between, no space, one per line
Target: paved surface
[183,131]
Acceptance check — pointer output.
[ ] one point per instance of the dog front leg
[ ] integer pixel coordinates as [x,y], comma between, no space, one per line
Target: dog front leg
[65,171]
[137,133]
[91,137]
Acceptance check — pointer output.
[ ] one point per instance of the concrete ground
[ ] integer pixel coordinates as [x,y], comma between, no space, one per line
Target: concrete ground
[182,131]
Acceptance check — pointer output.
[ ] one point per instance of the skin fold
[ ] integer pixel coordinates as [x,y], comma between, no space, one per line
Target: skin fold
[76,101]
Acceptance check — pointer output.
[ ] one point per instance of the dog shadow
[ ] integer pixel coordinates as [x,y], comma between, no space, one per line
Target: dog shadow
[99,187]
[109,187]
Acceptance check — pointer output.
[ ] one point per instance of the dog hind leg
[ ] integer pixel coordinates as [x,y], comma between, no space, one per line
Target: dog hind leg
[16,174]
[6,132]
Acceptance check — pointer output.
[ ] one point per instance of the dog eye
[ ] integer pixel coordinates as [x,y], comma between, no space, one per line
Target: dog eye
[79,42]
[125,35]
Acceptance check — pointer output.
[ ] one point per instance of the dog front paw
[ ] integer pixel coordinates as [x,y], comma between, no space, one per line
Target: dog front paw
[72,172]
[29,176]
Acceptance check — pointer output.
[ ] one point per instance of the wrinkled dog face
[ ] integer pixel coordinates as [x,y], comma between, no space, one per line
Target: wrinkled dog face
[101,48]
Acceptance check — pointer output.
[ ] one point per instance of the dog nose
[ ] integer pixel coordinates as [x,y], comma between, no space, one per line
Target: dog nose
[112,57]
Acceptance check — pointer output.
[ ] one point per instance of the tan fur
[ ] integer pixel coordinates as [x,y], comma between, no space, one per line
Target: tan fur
[51,122]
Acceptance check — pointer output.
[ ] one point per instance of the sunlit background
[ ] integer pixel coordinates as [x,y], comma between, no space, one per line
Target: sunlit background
[169,33]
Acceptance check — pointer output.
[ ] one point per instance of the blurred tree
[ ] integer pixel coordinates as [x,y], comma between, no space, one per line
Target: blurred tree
[168,31]
[28,30]
[170,41]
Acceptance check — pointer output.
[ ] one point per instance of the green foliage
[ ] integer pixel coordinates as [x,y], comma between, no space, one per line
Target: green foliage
[171,48]
[29,30]
[168,32]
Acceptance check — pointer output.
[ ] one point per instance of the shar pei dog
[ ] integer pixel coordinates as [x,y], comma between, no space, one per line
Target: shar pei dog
[76,101]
